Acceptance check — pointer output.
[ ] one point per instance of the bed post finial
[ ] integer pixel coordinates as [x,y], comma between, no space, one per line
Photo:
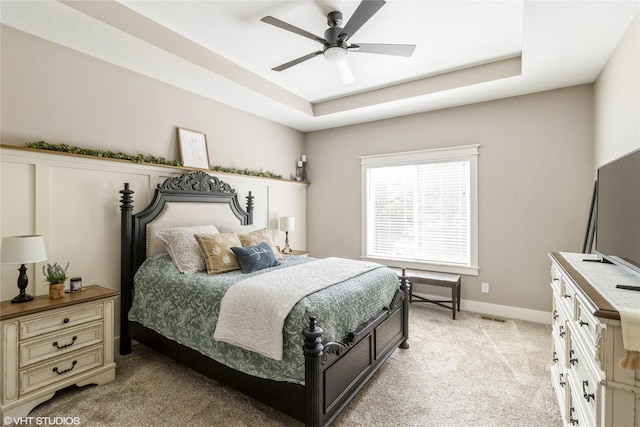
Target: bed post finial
[250,207]
[313,372]
[126,266]
[126,199]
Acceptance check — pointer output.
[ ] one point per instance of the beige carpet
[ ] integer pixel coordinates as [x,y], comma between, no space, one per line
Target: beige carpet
[467,372]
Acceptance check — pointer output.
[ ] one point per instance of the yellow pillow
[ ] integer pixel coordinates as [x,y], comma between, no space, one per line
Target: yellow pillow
[218,256]
[255,237]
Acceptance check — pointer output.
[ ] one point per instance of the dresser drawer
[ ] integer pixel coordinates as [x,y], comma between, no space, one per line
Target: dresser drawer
[59,320]
[58,344]
[585,384]
[567,297]
[62,368]
[559,328]
[561,387]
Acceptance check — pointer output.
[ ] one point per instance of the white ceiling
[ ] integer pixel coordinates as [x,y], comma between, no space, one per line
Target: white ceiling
[467,51]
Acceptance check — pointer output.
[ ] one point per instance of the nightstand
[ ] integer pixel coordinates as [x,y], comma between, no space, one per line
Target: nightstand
[49,344]
[299,253]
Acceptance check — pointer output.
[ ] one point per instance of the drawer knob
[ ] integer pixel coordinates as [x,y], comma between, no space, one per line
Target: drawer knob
[573,361]
[60,347]
[573,421]
[587,396]
[562,383]
[562,332]
[555,358]
[66,320]
[555,315]
[73,365]
[583,323]
[566,296]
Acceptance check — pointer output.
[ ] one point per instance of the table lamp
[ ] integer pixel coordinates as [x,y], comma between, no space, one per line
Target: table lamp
[23,250]
[287,224]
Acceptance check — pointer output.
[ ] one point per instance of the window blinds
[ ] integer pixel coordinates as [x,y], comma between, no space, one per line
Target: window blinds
[420,211]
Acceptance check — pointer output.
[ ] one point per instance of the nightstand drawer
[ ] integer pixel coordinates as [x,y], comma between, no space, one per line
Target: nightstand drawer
[60,369]
[55,345]
[60,320]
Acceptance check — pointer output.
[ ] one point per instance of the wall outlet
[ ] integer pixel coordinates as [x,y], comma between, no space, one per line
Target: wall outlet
[485,288]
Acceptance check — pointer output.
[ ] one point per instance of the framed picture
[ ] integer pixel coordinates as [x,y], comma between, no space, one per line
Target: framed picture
[193,149]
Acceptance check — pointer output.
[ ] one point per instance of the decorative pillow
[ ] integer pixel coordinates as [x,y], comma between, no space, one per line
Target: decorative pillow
[255,237]
[236,228]
[183,248]
[254,258]
[218,256]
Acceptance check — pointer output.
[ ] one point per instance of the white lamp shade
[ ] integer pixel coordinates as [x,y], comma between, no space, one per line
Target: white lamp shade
[23,249]
[287,223]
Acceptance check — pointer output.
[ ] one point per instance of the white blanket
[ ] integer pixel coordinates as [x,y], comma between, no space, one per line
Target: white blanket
[253,311]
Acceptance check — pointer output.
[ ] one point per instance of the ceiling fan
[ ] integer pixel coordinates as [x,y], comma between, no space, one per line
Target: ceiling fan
[336,39]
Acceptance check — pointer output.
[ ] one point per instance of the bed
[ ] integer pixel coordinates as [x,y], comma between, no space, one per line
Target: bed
[334,339]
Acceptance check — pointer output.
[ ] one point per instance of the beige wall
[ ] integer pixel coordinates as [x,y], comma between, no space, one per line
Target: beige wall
[535,184]
[55,94]
[617,100]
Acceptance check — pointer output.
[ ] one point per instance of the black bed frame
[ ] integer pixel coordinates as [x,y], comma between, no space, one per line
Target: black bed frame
[334,371]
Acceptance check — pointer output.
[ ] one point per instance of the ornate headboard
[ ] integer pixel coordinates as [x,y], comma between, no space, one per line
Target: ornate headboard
[193,198]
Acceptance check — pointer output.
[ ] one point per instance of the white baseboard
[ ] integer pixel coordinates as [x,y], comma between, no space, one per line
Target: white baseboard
[498,310]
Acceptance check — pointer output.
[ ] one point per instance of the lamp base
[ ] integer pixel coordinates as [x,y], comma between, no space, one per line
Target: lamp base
[22,298]
[23,282]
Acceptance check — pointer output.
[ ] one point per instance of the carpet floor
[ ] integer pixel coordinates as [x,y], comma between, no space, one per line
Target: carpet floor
[465,372]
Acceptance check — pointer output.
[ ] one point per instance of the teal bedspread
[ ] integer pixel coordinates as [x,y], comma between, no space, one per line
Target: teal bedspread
[185,307]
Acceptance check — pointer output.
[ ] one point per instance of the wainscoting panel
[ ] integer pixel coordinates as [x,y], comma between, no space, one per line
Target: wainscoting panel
[73,201]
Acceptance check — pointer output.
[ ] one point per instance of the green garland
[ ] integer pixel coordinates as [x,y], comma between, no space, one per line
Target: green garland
[140,158]
[267,174]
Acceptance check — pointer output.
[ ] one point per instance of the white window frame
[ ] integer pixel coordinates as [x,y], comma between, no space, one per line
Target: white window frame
[467,152]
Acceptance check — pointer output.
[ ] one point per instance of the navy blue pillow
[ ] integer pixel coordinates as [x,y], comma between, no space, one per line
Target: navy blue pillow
[254,258]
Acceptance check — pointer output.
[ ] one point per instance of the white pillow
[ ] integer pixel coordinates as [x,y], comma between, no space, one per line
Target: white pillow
[237,228]
[183,247]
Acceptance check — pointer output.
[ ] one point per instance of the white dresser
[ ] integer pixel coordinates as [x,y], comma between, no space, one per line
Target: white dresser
[47,345]
[592,389]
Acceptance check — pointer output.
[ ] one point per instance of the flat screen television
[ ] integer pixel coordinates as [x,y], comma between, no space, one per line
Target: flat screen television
[618,211]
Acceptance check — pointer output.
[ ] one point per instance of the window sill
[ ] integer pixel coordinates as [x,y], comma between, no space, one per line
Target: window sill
[417,265]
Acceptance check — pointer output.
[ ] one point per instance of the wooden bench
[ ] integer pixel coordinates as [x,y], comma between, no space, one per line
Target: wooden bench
[435,279]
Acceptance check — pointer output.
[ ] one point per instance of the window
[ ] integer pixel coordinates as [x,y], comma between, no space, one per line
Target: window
[420,209]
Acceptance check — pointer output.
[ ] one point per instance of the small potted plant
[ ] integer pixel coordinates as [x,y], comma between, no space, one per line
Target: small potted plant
[56,276]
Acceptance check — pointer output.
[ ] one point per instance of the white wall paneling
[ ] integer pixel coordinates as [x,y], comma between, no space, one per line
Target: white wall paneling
[74,203]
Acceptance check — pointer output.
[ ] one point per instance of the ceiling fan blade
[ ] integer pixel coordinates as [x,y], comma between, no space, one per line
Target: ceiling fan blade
[383,49]
[363,13]
[296,61]
[281,24]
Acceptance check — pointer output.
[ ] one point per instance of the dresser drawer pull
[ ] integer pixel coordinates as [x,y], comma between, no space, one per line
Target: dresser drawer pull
[583,323]
[73,365]
[60,347]
[573,361]
[562,383]
[573,421]
[555,315]
[566,296]
[555,358]
[66,320]
[587,396]
[562,332]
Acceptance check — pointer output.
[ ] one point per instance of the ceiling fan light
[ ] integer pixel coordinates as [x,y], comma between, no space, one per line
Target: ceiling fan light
[335,54]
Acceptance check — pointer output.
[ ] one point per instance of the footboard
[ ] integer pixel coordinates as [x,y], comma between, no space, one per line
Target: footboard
[335,372]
